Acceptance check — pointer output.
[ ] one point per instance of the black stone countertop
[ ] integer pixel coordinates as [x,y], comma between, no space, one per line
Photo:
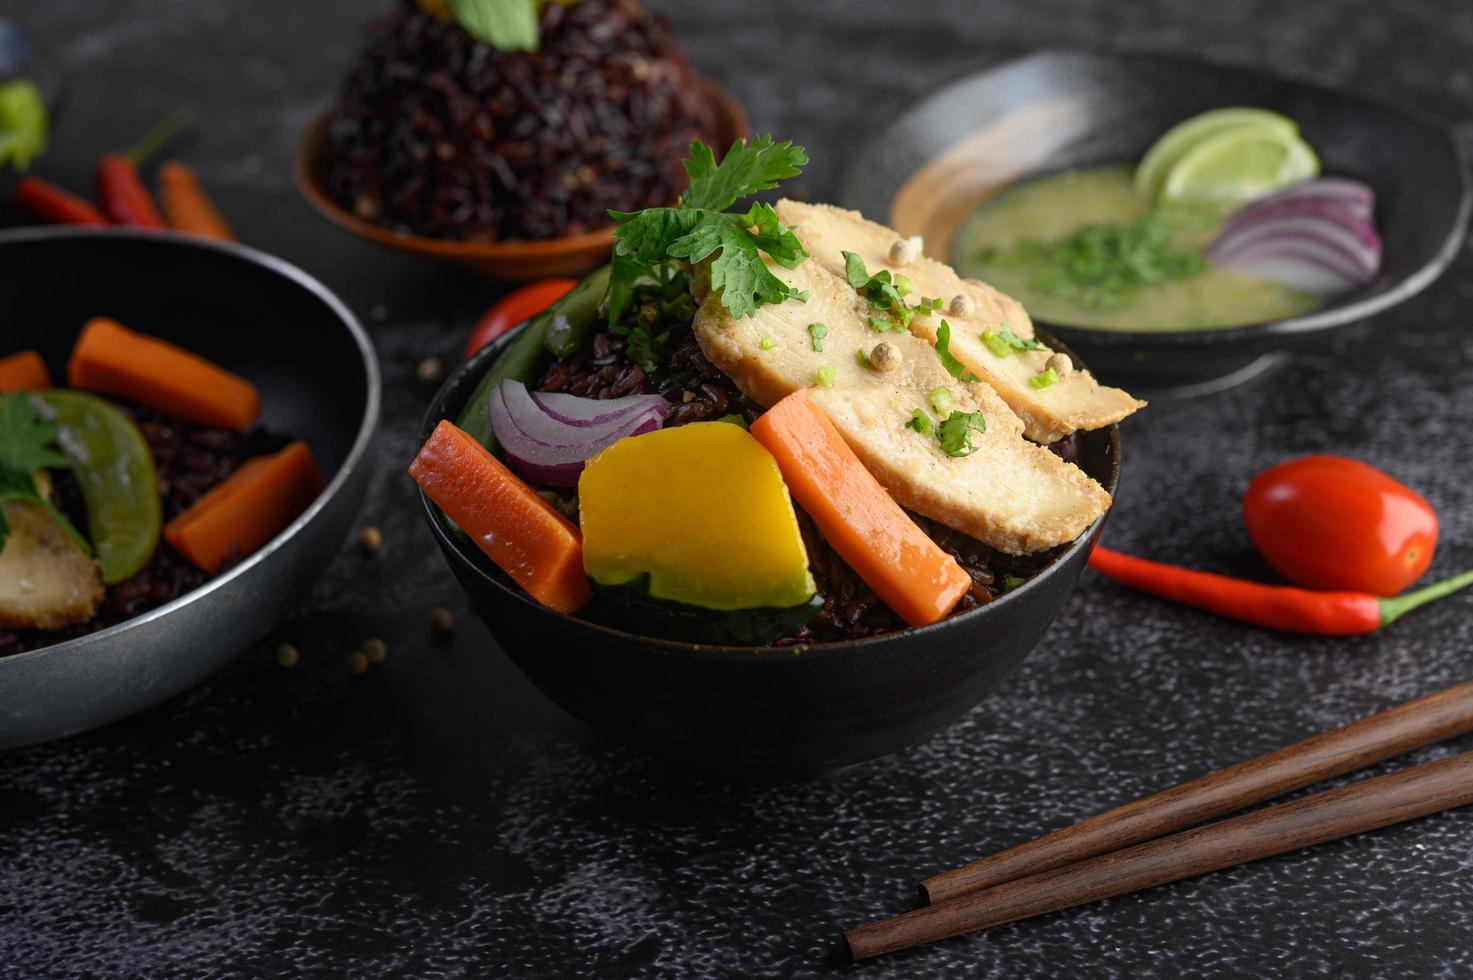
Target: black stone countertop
[438,817]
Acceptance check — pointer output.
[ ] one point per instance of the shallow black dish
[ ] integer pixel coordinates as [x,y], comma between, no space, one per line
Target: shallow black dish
[319,380]
[1057,110]
[764,710]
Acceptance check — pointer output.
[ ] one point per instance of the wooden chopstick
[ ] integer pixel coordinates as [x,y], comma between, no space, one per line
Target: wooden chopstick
[1367,805]
[1413,724]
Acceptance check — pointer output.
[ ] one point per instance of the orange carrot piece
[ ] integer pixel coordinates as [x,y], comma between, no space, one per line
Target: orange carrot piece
[247,508]
[113,360]
[858,518]
[24,372]
[522,533]
[187,207]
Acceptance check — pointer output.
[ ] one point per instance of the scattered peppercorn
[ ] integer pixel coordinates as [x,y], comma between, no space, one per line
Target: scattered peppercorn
[357,662]
[370,540]
[287,655]
[376,650]
[441,620]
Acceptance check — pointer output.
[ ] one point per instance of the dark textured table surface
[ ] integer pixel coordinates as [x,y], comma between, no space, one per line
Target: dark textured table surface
[439,817]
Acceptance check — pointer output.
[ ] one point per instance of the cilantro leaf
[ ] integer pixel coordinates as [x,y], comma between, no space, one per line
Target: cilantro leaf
[748,167]
[738,271]
[816,333]
[651,242]
[956,432]
[22,123]
[953,367]
[507,25]
[27,444]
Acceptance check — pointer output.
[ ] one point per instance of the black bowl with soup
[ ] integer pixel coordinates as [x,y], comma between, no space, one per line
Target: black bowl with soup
[1032,150]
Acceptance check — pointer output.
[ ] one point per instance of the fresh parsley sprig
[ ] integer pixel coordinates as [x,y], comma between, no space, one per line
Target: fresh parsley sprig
[649,245]
[28,444]
[954,367]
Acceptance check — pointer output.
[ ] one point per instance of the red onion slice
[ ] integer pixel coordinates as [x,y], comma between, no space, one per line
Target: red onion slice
[1305,242]
[575,410]
[1352,195]
[549,452]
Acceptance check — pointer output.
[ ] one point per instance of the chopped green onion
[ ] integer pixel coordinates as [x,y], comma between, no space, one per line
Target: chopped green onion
[1011,582]
[767,343]
[861,357]
[941,400]
[825,375]
[921,422]
[1045,378]
[818,332]
[1003,342]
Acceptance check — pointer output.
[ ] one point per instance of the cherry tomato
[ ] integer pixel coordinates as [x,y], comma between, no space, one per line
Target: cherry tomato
[1327,522]
[516,306]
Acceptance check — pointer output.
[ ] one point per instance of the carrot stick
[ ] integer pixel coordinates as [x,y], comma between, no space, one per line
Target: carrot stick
[246,509]
[863,523]
[529,540]
[24,372]
[187,207]
[113,360]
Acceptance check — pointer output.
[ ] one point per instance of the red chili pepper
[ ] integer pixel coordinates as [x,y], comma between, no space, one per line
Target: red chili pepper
[516,306]
[46,202]
[1280,607]
[120,190]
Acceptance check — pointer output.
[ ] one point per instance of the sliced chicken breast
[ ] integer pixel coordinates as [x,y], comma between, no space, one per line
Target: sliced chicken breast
[1075,401]
[1009,493]
[46,582]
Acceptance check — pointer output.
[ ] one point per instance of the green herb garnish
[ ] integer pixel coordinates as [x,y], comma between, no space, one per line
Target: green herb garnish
[921,422]
[28,444]
[507,25]
[824,375]
[654,242]
[885,293]
[941,400]
[22,123]
[767,343]
[1046,378]
[1011,582]
[862,357]
[1103,266]
[953,367]
[1003,342]
[956,432]
[817,332]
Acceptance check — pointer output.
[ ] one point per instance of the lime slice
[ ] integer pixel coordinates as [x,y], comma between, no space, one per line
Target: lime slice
[1238,164]
[114,466]
[1175,143]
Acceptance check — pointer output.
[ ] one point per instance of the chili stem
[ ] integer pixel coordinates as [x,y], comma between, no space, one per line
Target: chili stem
[1394,608]
[155,138]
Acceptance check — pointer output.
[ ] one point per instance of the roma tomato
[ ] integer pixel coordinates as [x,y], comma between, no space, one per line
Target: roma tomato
[516,306]
[1327,522]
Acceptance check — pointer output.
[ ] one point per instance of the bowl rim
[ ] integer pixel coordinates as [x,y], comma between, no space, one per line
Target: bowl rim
[354,460]
[476,366]
[306,167]
[1313,321]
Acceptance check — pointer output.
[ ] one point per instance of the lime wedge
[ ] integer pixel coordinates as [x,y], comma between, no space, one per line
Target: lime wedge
[1150,174]
[1238,164]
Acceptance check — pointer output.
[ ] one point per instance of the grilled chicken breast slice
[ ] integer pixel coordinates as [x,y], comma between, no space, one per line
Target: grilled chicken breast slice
[46,582]
[1075,401]
[1009,493]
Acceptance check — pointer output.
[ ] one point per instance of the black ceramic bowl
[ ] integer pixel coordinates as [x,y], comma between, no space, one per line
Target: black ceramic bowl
[319,381]
[759,710]
[1056,110]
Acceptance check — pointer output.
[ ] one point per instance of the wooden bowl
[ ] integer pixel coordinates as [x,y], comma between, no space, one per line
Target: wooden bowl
[514,259]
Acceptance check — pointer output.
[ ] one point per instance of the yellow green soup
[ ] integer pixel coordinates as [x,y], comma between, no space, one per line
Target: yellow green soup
[1082,248]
